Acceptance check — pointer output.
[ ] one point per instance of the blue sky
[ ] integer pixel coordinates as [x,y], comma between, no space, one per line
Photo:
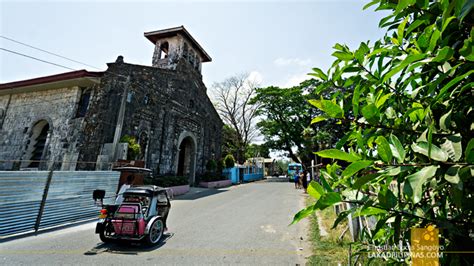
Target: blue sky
[278,42]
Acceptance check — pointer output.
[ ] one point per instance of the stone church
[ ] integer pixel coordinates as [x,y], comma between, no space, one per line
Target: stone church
[78,119]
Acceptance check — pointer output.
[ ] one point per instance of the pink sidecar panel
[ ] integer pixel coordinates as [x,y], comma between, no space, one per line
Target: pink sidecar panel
[129,227]
[127,220]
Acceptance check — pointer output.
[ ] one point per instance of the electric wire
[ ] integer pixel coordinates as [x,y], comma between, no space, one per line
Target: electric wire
[54,101]
[55,54]
[52,53]
[34,58]
[48,52]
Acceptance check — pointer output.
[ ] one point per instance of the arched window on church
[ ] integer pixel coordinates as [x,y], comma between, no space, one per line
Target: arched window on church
[37,143]
[196,61]
[83,103]
[186,51]
[164,49]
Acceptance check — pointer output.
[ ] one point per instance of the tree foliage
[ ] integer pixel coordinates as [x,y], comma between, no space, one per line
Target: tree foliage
[230,142]
[408,100]
[286,121]
[257,150]
[231,145]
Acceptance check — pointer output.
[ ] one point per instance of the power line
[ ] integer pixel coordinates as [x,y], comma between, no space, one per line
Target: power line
[53,101]
[37,59]
[48,62]
[51,53]
[55,64]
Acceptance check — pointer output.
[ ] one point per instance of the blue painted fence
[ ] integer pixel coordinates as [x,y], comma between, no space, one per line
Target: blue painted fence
[240,174]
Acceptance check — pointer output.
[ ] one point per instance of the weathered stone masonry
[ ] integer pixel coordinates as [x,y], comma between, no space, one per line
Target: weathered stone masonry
[166,108]
[22,108]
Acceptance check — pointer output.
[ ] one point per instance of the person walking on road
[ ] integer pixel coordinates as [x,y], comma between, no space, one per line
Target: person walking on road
[308,180]
[296,177]
[304,181]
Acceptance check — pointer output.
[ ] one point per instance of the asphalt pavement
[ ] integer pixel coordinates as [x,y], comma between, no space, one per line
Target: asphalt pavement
[245,224]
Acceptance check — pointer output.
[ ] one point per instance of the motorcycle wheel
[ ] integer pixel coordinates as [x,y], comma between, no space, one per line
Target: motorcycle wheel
[102,235]
[156,232]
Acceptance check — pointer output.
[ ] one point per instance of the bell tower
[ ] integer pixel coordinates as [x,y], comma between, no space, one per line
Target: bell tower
[174,44]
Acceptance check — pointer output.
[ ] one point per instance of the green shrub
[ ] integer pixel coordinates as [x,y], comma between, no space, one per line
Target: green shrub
[220,165]
[211,165]
[134,148]
[229,161]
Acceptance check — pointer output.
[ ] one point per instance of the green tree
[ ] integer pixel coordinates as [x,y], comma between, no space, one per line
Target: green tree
[286,121]
[408,100]
[257,150]
[281,166]
[230,142]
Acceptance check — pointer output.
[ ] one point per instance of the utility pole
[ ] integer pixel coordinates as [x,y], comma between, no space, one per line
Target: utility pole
[121,117]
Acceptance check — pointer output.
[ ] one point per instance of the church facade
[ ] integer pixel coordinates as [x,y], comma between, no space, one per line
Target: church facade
[79,119]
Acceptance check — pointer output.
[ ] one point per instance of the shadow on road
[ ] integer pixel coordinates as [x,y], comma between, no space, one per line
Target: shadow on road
[276,179]
[127,247]
[45,230]
[197,193]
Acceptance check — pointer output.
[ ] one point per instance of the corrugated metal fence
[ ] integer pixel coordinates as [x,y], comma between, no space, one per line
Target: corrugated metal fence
[68,198]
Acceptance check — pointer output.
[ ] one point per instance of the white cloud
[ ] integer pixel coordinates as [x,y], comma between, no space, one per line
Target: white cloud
[296,80]
[283,62]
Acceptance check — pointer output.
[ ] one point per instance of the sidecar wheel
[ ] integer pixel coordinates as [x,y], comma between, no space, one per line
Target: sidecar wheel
[156,232]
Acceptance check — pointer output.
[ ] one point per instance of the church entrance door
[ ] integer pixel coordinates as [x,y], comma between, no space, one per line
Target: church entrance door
[186,159]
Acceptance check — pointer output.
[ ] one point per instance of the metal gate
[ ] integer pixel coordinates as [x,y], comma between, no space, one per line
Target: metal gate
[66,198]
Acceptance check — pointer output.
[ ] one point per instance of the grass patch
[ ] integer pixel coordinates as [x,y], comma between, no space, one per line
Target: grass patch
[327,250]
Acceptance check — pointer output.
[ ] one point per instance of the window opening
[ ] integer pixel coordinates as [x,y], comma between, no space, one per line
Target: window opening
[83,104]
[164,49]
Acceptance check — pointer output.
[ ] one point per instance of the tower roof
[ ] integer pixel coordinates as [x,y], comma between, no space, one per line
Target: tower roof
[153,36]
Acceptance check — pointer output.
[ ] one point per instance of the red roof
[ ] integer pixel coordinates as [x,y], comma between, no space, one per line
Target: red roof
[49,79]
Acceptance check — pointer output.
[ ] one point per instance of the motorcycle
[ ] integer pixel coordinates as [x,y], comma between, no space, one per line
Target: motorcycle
[140,217]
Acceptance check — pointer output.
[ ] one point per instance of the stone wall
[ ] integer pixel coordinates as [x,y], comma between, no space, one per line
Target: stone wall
[163,107]
[179,48]
[162,104]
[56,106]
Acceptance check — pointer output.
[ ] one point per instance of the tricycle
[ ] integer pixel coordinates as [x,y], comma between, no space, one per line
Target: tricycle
[141,216]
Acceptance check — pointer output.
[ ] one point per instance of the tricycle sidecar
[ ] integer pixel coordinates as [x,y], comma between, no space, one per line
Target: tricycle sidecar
[141,216]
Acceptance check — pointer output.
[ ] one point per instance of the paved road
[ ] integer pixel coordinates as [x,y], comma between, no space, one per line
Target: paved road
[244,224]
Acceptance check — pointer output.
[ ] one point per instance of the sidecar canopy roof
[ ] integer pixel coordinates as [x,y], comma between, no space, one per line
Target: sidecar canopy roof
[147,191]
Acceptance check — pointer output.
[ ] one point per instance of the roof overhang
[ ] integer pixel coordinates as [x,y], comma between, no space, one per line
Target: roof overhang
[153,36]
[80,78]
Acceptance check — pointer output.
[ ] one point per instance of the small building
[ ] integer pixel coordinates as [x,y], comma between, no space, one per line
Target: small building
[268,164]
[77,119]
